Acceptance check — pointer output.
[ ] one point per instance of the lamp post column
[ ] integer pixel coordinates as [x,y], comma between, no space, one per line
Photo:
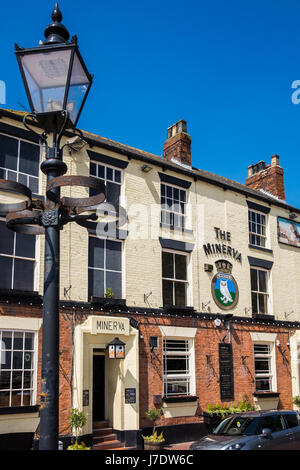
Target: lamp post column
[49,410]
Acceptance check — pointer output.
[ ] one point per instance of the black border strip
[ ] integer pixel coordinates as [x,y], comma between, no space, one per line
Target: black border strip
[176,245]
[16,132]
[172,180]
[13,410]
[261,263]
[105,159]
[258,207]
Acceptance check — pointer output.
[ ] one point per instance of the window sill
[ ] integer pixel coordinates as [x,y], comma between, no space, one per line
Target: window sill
[104,301]
[13,410]
[266,394]
[260,248]
[180,399]
[177,229]
[179,309]
[263,316]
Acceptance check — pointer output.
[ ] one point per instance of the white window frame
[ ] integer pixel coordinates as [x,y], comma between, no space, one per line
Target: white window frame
[267,294]
[105,180]
[189,376]
[14,257]
[175,204]
[17,172]
[33,389]
[104,261]
[271,373]
[258,236]
[173,280]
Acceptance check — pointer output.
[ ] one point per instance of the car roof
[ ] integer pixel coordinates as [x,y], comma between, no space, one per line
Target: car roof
[259,413]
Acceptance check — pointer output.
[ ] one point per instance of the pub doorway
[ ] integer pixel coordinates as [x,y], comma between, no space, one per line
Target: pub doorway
[98,386]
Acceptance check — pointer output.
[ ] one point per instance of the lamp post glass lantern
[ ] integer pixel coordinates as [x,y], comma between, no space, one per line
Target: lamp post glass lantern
[54,74]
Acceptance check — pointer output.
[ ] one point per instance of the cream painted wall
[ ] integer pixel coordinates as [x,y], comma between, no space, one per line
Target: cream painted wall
[208,206]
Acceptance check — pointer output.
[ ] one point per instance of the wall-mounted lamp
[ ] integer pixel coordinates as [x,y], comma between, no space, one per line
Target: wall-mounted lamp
[146,168]
[208,268]
[116,349]
[278,343]
[293,215]
[218,322]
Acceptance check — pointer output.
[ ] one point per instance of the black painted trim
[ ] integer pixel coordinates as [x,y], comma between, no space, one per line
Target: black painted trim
[261,263]
[176,245]
[179,399]
[172,180]
[260,248]
[266,394]
[263,317]
[14,410]
[119,234]
[105,159]
[258,207]
[13,131]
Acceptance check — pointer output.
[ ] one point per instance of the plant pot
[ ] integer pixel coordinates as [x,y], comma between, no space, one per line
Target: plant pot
[152,445]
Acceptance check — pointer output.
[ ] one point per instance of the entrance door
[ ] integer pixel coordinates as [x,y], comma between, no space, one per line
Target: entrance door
[98,387]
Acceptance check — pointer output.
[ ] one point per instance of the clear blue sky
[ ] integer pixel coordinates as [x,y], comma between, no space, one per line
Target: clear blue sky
[226,67]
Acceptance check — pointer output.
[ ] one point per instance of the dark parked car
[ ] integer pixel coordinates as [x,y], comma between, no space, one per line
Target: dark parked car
[254,430]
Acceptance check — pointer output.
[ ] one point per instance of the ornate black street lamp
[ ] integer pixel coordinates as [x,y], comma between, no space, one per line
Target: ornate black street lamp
[57,83]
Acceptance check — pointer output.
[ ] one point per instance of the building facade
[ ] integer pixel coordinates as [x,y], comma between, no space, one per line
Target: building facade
[204,274]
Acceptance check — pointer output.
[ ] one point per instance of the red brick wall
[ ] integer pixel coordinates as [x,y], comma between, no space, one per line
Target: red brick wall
[151,365]
[270,179]
[207,384]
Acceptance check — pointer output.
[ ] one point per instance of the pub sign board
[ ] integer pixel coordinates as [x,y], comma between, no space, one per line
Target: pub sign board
[288,232]
[226,371]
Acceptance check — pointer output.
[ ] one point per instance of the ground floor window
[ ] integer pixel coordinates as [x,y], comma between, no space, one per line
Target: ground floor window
[263,368]
[177,367]
[17,368]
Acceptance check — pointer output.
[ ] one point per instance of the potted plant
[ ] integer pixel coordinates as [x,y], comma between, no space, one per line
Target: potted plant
[77,421]
[213,415]
[155,441]
[109,293]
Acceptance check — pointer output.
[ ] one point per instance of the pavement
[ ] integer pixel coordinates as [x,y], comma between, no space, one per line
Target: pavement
[180,446]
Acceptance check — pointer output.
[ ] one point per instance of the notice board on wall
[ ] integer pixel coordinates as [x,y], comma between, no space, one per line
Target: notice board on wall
[226,371]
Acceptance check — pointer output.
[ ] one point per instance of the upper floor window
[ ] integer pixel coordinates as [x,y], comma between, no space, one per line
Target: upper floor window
[105,267]
[259,290]
[175,279]
[112,178]
[17,259]
[173,206]
[19,161]
[17,368]
[257,229]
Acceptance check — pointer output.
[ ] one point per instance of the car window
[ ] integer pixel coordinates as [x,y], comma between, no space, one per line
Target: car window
[273,422]
[291,419]
[238,425]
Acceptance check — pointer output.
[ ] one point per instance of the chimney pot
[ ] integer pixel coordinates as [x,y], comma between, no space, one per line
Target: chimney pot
[177,147]
[267,177]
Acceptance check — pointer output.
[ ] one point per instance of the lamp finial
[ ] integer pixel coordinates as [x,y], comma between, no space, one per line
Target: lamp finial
[56,32]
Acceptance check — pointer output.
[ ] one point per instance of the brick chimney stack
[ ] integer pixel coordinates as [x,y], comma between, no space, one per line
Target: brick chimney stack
[267,177]
[177,147]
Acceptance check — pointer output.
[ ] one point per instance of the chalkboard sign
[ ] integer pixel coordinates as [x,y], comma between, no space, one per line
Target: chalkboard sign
[226,371]
[130,395]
